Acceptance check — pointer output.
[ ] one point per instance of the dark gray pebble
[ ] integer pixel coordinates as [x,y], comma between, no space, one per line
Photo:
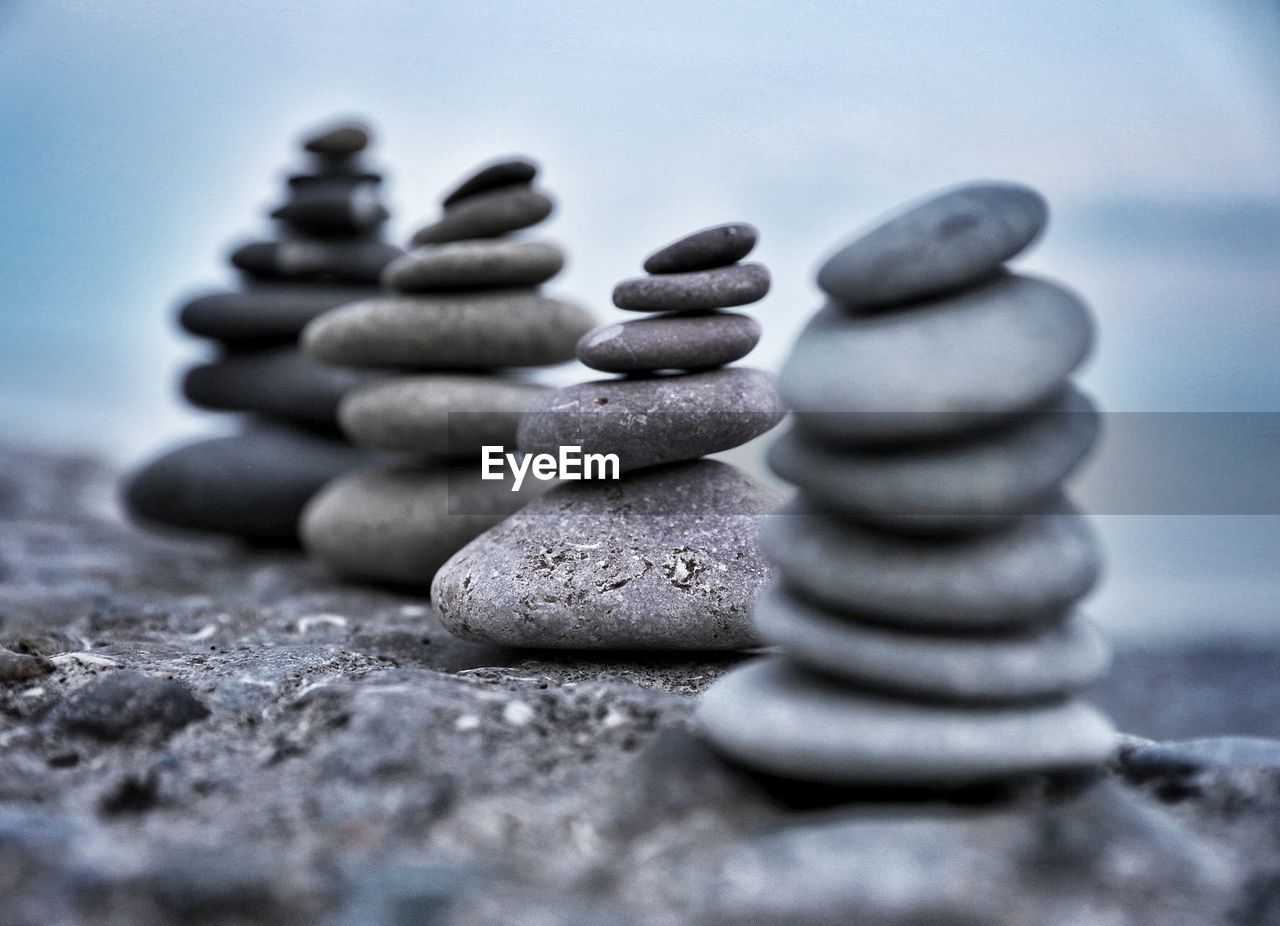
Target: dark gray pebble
[670,342]
[721,288]
[504,173]
[487,215]
[717,246]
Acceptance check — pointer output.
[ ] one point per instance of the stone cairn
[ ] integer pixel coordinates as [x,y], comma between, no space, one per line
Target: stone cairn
[254,484]
[460,308]
[666,556]
[930,566]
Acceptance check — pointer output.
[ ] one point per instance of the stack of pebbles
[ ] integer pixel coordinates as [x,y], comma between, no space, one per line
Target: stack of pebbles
[462,307]
[254,484]
[666,556]
[930,566]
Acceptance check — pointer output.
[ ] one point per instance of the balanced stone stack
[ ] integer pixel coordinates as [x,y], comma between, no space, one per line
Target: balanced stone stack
[930,567]
[666,556]
[254,484]
[461,307]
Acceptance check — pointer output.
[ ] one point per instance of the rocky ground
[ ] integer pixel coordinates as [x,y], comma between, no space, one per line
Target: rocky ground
[193,732]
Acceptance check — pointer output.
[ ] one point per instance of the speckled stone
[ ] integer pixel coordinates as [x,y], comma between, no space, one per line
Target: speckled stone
[358,260]
[269,313]
[437,415]
[513,328]
[504,173]
[655,420]
[716,246]
[771,716]
[251,485]
[1032,571]
[665,558]
[279,382]
[720,288]
[333,211]
[474,265]
[340,138]
[943,367]
[670,342]
[968,484]
[399,524]
[1037,663]
[947,242]
[487,215]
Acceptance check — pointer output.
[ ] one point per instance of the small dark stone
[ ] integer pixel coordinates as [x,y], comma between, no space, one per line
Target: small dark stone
[702,289]
[345,137]
[124,703]
[504,173]
[717,246]
[269,313]
[329,211]
[357,261]
[487,215]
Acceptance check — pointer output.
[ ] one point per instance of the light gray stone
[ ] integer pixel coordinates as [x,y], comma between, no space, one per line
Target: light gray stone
[399,524]
[439,415]
[474,265]
[505,328]
[942,367]
[1037,663]
[968,484]
[717,246]
[771,716]
[654,420]
[1031,571]
[670,342]
[949,241]
[720,288]
[487,215]
[665,558]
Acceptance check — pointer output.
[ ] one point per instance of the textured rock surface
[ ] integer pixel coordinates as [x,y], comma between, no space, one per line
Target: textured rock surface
[723,287]
[360,766]
[709,247]
[693,341]
[474,265]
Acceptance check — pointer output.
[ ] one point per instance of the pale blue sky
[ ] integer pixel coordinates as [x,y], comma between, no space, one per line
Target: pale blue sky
[137,139]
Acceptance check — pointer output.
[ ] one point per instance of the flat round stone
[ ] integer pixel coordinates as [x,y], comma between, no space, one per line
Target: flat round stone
[251,485]
[654,420]
[717,246]
[772,716]
[269,313]
[980,482]
[1030,572]
[665,559]
[504,173]
[399,524]
[359,261]
[949,241]
[345,137]
[333,211]
[474,265]
[720,288]
[464,332]
[1032,664]
[941,368]
[670,342]
[278,382]
[487,215]
[437,415]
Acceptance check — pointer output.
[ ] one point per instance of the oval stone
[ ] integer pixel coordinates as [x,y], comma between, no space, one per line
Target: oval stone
[942,368]
[504,173]
[269,313]
[771,716]
[251,485]
[665,558]
[438,415]
[654,420]
[1030,572]
[977,483]
[462,332]
[720,288]
[333,211]
[474,265]
[670,342]
[947,242]
[358,261]
[487,215]
[345,137]
[1036,663]
[279,383]
[399,524]
[717,246]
